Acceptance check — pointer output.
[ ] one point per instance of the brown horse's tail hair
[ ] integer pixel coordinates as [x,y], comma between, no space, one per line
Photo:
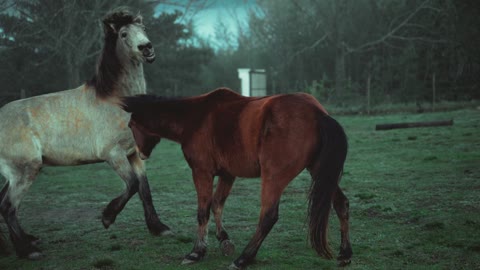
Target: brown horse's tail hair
[326,169]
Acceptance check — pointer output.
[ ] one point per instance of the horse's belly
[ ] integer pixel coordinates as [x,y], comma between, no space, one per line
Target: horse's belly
[248,174]
[52,161]
[242,169]
[69,155]
[78,150]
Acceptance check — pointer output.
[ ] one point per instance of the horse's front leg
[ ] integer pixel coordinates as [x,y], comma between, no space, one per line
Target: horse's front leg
[155,226]
[204,186]
[134,181]
[225,183]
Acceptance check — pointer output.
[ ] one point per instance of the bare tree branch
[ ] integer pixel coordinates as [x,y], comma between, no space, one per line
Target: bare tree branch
[5,5]
[311,47]
[392,33]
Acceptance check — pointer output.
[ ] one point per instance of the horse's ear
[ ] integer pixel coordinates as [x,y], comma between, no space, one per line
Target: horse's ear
[109,27]
[138,19]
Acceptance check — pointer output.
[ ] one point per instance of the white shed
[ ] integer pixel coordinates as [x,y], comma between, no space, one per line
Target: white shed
[254,82]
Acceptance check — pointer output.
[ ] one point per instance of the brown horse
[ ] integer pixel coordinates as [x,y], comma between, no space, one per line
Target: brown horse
[80,126]
[227,135]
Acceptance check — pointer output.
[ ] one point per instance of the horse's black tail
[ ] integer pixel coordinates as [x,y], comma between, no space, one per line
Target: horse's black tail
[326,169]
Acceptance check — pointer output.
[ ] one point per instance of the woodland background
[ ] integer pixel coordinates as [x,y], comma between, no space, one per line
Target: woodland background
[348,53]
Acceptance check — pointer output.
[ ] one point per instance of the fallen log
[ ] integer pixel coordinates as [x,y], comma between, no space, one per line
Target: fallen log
[414,125]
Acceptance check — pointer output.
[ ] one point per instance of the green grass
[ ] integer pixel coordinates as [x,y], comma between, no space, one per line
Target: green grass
[414,199]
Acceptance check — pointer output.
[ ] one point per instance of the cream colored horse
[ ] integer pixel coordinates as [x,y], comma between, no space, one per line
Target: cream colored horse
[80,126]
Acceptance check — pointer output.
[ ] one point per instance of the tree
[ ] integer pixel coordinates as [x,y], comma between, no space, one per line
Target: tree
[49,45]
[57,36]
[180,60]
[345,39]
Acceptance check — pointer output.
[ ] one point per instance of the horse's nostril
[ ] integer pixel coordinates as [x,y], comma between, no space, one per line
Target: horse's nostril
[145,46]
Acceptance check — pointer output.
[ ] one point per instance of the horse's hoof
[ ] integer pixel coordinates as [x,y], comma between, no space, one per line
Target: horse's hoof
[191,258]
[35,256]
[344,262]
[188,261]
[166,233]
[106,222]
[345,257]
[227,247]
[159,229]
[233,266]
[34,240]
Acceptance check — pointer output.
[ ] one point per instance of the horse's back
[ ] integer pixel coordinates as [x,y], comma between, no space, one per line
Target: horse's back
[222,95]
[251,118]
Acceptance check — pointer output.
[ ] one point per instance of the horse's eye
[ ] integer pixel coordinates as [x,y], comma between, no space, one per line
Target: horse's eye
[124,34]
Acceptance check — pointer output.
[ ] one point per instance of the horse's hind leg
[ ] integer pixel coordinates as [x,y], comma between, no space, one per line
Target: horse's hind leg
[341,205]
[222,191]
[272,190]
[18,182]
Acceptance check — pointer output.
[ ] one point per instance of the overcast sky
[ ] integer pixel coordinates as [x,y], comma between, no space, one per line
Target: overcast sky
[227,12]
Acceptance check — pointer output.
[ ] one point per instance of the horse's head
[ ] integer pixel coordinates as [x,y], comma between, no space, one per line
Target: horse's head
[144,140]
[128,33]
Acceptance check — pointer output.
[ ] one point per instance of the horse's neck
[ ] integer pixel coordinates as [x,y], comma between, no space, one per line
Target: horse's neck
[177,118]
[132,80]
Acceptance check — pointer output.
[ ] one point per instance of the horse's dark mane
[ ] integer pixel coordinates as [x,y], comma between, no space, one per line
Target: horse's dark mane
[148,103]
[109,67]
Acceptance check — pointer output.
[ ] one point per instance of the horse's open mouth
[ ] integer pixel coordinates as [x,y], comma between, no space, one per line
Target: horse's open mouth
[150,58]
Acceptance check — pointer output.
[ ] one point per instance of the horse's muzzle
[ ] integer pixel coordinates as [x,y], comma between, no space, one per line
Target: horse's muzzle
[149,55]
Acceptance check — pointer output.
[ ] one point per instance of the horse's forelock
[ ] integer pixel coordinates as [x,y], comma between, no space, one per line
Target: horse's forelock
[120,17]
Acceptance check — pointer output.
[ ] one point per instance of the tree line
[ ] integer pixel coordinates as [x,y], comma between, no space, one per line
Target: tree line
[51,45]
[345,50]
[341,51]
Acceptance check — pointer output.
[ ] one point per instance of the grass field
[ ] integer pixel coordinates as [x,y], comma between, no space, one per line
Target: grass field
[414,200]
